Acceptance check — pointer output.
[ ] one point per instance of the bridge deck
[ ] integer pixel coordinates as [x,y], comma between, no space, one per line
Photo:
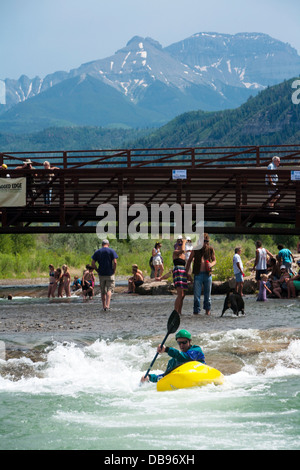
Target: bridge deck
[232,189]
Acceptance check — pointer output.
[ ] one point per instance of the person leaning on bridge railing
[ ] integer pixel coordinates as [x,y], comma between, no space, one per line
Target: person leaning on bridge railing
[30,178]
[4,167]
[46,181]
[272,180]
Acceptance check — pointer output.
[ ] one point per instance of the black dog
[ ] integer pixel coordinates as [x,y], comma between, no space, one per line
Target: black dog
[235,301]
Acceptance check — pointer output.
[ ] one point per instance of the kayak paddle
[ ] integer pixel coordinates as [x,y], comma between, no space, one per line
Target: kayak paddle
[173,324]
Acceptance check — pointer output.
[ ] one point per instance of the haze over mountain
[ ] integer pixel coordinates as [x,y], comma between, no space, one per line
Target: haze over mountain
[144,84]
[270,118]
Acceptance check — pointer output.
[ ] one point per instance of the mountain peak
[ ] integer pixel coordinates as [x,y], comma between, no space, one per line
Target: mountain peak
[136,41]
[208,71]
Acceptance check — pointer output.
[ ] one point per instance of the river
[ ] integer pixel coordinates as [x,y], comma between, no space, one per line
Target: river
[70,373]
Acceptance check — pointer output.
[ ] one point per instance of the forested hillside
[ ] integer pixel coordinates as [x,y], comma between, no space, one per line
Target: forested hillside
[70,138]
[269,118]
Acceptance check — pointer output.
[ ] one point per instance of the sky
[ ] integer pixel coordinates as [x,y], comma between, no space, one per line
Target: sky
[38,37]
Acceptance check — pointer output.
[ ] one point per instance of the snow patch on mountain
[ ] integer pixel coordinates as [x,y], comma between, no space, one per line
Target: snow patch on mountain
[244,61]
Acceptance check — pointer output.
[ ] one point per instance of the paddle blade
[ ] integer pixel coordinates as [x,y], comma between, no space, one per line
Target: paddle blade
[173,322]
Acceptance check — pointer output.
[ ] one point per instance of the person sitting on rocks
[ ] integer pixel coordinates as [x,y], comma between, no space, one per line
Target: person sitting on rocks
[281,286]
[136,280]
[294,284]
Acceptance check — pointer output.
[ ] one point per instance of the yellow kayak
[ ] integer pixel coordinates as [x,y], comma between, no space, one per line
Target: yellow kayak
[190,374]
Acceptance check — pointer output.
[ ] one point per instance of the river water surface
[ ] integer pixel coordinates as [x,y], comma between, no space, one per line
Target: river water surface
[69,375]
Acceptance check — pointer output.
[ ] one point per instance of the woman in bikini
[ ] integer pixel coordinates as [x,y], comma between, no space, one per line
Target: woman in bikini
[179,274]
[66,280]
[51,281]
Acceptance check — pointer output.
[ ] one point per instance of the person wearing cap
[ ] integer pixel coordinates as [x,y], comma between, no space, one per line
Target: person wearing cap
[281,286]
[30,178]
[188,250]
[187,353]
[27,164]
[179,241]
[106,258]
[203,261]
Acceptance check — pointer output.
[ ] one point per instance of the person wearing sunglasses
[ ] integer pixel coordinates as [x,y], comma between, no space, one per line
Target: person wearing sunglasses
[187,353]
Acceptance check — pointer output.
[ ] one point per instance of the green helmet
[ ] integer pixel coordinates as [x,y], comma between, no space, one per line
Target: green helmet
[183,334]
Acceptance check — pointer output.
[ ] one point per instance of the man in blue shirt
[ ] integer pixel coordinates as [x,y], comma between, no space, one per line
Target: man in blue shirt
[285,257]
[187,353]
[107,263]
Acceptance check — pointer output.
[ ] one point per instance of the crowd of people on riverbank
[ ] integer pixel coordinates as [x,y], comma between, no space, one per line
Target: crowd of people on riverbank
[276,275]
[59,281]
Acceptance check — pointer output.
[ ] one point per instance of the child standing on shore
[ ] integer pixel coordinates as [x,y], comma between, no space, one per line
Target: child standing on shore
[262,295]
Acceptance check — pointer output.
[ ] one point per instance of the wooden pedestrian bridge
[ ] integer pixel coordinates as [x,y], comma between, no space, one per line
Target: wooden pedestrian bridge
[228,181]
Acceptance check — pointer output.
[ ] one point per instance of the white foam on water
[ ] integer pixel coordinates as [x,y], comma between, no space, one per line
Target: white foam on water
[96,399]
[69,369]
[117,366]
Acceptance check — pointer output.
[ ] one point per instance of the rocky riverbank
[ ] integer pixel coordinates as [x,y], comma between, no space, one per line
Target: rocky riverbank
[38,287]
[151,287]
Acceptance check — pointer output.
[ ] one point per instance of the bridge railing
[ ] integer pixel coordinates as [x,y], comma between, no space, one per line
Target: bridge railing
[70,197]
[224,187]
[250,156]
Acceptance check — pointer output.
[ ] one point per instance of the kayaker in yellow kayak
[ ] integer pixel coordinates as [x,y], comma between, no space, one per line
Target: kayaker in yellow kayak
[187,353]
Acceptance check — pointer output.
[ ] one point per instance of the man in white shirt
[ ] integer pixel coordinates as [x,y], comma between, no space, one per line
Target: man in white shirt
[271,181]
[238,270]
[260,263]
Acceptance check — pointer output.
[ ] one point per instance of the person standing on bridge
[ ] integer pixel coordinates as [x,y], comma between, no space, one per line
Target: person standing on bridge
[30,179]
[271,181]
[46,182]
[106,258]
